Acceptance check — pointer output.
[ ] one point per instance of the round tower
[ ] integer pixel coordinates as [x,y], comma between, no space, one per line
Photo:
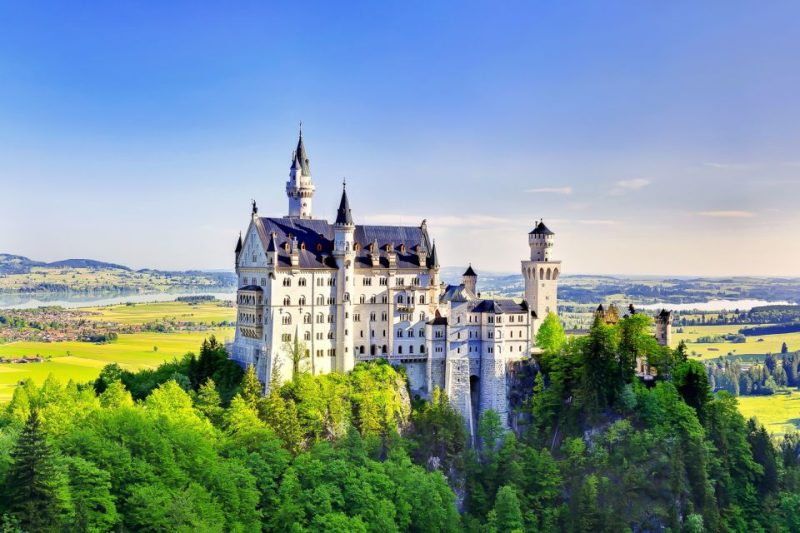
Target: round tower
[300,188]
[345,255]
[541,240]
[541,275]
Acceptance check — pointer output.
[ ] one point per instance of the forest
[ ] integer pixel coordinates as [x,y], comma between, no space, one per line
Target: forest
[194,446]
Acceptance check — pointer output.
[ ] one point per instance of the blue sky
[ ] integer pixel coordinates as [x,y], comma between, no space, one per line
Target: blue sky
[656,138]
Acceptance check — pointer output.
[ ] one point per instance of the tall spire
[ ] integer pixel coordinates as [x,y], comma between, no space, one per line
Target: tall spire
[343,215]
[434,256]
[300,159]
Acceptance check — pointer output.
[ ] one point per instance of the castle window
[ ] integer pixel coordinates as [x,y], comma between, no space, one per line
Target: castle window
[357,247]
[372,299]
[357,317]
[372,317]
[320,318]
[302,246]
[287,300]
[383,281]
[307,335]
[400,333]
[372,349]
[301,282]
[421,332]
[287,282]
[422,298]
[319,246]
[286,320]
[367,281]
[399,298]
[421,348]
[400,282]
[330,300]
[400,350]
[302,300]
[422,316]
[384,316]
[286,246]
[286,337]
[410,349]
[361,350]
[385,349]
[307,318]
[402,248]
[319,335]
[384,299]
[320,300]
[330,335]
[330,319]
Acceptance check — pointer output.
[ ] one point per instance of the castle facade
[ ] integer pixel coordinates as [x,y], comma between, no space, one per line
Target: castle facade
[322,296]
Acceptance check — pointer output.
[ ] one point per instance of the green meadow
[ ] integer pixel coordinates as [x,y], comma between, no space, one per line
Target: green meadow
[780,413]
[82,361]
[201,313]
[759,345]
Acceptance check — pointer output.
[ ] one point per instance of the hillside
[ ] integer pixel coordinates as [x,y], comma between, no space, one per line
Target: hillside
[19,274]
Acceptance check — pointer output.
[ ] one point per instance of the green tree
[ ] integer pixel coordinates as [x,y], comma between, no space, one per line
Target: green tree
[550,336]
[506,515]
[37,490]
[251,387]
[90,490]
[209,403]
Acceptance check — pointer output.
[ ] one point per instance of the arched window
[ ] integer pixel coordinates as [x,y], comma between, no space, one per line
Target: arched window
[361,350]
[320,318]
[307,318]
[372,349]
[411,349]
[422,298]
[541,273]
[555,274]
[320,300]
[302,300]
[362,299]
[400,350]
[347,297]
[287,300]
[421,348]
[549,274]
[286,319]
[385,349]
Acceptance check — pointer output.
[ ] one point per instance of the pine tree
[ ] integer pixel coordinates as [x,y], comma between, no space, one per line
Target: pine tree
[208,401]
[36,488]
[251,387]
[506,516]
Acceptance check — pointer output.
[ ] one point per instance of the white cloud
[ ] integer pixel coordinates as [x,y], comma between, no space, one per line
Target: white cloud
[727,214]
[554,190]
[624,186]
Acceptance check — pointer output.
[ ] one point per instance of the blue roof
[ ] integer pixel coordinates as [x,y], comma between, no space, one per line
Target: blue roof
[316,236]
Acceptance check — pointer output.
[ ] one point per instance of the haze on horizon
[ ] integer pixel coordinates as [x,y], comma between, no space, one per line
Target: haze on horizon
[652,138]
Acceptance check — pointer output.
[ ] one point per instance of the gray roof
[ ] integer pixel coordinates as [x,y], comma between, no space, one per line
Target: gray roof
[315,238]
[541,229]
[343,215]
[500,306]
[300,159]
[251,288]
[470,272]
[456,293]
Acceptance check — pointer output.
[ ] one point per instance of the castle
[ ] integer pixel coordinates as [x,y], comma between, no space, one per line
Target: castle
[339,293]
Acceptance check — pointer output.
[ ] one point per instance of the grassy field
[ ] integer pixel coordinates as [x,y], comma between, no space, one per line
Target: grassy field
[780,413]
[82,361]
[206,312]
[77,279]
[761,345]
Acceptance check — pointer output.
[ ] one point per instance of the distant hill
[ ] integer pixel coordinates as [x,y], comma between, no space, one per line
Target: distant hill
[22,274]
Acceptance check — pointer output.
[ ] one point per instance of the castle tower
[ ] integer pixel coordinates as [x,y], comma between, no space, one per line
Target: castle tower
[300,188]
[541,275]
[664,327]
[470,280]
[344,254]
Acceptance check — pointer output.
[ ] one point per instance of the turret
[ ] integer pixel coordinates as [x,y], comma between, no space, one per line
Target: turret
[238,248]
[470,280]
[300,188]
[664,327]
[541,240]
[344,254]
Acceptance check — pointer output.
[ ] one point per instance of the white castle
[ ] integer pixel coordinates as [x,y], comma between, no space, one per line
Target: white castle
[344,292]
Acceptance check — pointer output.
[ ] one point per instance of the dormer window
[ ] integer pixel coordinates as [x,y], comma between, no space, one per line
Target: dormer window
[357,247]
[286,246]
[319,246]
[402,248]
[388,247]
[302,246]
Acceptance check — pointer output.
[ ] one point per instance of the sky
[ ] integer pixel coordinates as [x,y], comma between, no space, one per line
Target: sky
[653,137]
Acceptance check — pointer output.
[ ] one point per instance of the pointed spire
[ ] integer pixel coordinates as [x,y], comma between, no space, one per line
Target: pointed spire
[272,246]
[469,271]
[239,244]
[343,215]
[300,160]
[434,256]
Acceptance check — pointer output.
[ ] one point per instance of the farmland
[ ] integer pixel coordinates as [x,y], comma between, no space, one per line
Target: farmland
[757,345]
[82,361]
[780,413]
